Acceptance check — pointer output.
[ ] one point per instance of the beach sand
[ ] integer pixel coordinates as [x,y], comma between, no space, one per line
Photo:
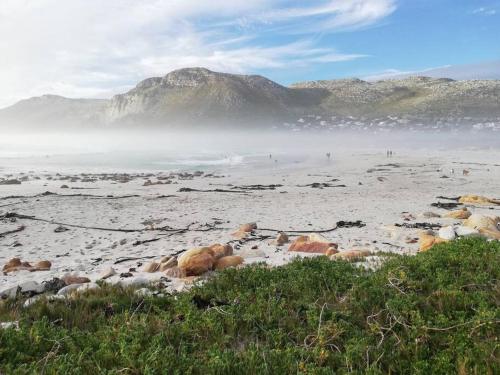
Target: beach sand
[369,186]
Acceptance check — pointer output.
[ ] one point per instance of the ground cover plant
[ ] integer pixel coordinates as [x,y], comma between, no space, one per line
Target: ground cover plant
[436,312]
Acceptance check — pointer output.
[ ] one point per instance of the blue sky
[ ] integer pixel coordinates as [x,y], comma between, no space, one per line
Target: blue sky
[95,48]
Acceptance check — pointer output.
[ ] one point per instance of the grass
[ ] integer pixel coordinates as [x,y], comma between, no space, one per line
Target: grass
[437,312]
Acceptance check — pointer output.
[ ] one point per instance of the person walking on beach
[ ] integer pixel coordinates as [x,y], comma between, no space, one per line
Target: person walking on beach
[328,155]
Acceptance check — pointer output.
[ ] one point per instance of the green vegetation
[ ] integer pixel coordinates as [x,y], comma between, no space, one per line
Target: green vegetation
[437,312]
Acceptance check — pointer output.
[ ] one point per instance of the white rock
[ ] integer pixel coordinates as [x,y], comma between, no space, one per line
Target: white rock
[68,289]
[88,286]
[463,231]
[134,281]
[31,300]
[107,272]
[447,233]
[144,292]
[26,287]
[6,325]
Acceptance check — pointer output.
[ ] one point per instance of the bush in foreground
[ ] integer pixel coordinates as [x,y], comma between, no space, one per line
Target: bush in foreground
[437,312]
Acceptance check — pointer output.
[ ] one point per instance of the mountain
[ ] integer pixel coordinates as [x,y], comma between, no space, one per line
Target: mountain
[52,111]
[421,97]
[199,97]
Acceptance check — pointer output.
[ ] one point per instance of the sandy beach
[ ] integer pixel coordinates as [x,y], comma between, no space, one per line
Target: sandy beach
[84,222]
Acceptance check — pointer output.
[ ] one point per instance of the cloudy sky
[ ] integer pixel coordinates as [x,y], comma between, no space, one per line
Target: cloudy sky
[95,48]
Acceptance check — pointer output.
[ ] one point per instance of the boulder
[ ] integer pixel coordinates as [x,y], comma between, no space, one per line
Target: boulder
[282,239]
[486,225]
[428,239]
[172,262]
[227,262]
[74,279]
[28,288]
[196,261]
[43,265]
[313,243]
[447,233]
[463,231]
[107,273]
[477,199]
[151,267]
[244,230]
[175,272]
[458,214]
[68,289]
[351,255]
[219,251]
[15,264]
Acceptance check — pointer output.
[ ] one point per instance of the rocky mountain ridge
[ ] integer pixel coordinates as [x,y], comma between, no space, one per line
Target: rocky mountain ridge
[200,97]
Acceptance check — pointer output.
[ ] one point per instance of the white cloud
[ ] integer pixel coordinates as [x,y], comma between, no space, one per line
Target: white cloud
[95,48]
[485,11]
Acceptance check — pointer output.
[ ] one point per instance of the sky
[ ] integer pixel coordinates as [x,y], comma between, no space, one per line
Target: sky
[95,48]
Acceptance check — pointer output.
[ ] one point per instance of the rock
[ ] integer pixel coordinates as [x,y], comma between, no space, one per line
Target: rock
[73,279]
[196,261]
[244,230]
[165,259]
[282,239]
[227,262]
[486,225]
[8,325]
[175,272]
[219,251]
[463,231]
[458,214]
[68,289]
[88,286]
[144,292]
[350,255]
[60,229]
[430,215]
[54,285]
[151,267]
[477,199]
[12,263]
[313,243]
[30,301]
[427,239]
[447,233]
[107,273]
[28,288]
[64,187]
[10,182]
[171,262]
[43,265]
[134,282]
[249,227]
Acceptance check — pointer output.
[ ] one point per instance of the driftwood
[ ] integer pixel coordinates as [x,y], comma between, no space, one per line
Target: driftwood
[339,224]
[126,259]
[19,229]
[190,190]
[51,194]
[321,185]
[446,206]
[419,225]
[257,187]
[449,198]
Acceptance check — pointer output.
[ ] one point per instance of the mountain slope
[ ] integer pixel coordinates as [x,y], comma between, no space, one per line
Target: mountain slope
[199,97]
[52,111]
[422,97]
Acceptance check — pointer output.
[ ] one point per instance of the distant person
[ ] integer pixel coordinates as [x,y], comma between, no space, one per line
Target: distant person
[452,171]
[328,155]
[270,156]
[465,172]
